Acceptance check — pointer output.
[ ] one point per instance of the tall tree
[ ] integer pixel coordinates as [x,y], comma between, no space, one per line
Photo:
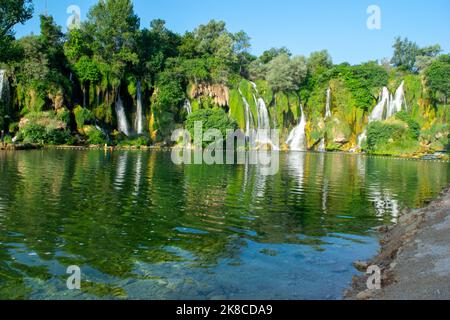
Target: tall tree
[438,78]
[12,12]
[113,26]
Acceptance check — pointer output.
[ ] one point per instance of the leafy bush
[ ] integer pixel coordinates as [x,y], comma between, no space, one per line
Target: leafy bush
[390,138]
[211,119]
[414,127]
[96,137]
[36,133]
[83,116]
[63,115]
[140,141]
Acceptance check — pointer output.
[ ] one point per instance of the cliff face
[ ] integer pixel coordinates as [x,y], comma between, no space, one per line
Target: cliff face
[219,94]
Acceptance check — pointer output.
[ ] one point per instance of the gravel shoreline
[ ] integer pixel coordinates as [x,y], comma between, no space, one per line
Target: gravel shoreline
[414,257]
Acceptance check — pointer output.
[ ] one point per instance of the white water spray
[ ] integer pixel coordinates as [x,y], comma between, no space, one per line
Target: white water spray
[297,137]
[3,83]
[187,106]
[139,122]
[328,105]
[121,117]
[387,107]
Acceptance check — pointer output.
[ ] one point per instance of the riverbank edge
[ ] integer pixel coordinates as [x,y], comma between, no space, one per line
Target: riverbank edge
[396,239]
[20,147]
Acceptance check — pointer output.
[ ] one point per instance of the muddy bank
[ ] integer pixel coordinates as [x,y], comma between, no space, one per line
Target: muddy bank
[414,257]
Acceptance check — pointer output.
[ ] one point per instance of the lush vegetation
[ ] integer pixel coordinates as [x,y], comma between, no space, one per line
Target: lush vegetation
[81,74]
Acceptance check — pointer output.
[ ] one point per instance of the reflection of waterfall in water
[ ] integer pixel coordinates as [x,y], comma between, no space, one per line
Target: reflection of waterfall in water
[122,124]
[328,104]
[386,107]
[296,166]
[138,173]
[121,171]
[297,138]
[139,123]
[187,106]
[384,203]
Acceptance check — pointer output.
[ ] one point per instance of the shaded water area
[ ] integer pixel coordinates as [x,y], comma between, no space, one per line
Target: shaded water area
[141,227]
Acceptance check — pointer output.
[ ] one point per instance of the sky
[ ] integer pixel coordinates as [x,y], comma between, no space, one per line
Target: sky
[303,26]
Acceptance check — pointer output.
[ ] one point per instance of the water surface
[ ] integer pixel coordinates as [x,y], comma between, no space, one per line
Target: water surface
[141,227]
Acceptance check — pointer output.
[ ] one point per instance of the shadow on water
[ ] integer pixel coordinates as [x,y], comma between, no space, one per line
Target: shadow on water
[141,227]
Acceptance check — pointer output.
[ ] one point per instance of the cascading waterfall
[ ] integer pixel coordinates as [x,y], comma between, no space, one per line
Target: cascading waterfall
[387,106]
[263,136]
[139,122]
[383,102]
[3,85]
[322,145]
[297,137]
[328,105]
[249,123]
[121,117]
[187,106]
[397,102]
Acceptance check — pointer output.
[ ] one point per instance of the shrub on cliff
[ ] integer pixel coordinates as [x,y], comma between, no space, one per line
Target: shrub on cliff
[210,119]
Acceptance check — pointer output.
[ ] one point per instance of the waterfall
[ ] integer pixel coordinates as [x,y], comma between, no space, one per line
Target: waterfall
[263,136]
[121,117]
[397,101]
[297,137]
[387,106]
[187,106]
[383,102]
[322,145]
[3,83]
[139,122]
[249,123]
[328,105]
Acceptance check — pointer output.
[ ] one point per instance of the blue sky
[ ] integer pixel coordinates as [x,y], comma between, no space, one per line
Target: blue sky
[303,26]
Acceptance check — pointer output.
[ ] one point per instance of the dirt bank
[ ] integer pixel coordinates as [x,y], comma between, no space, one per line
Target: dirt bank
[414,257]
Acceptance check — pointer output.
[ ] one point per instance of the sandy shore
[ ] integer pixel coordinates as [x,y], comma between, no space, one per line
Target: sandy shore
[414,258]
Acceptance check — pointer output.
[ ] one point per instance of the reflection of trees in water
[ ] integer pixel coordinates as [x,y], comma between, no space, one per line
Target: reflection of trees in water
[112,210]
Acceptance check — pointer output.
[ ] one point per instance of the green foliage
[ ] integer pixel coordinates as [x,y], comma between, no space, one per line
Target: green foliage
[363,81]
[96,137]
[438,79]
[12,12]
[413,126]
[40,134]
[409,56]
[211,119]
[87,70]
[286,74]
[390,138]
[83,116]
[140,141]
[319,62]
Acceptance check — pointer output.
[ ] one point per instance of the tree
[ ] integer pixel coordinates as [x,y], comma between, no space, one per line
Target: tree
[272,53]
[113,26]
[285,74]
[319,61]
[87,72]
[12,12]
[410,57]
[405,53]
[437,77]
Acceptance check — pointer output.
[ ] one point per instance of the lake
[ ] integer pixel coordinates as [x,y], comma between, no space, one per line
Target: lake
[141,227]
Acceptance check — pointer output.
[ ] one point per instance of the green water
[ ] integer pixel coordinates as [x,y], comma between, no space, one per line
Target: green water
[141,227]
